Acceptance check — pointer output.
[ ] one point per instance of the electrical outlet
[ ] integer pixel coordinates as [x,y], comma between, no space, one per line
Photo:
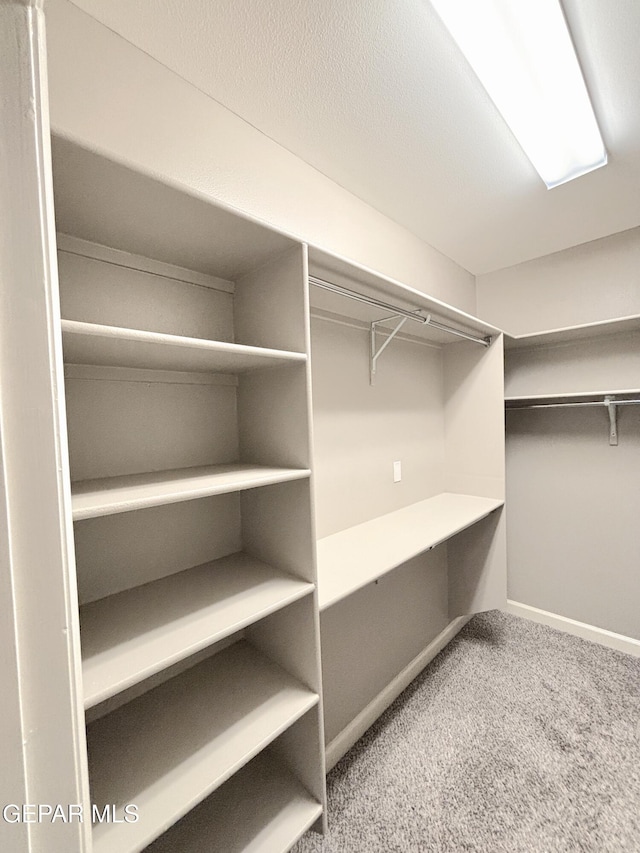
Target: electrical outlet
[397,472]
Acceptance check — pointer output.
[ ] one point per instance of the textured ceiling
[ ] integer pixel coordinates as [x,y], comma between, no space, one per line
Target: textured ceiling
[374,94]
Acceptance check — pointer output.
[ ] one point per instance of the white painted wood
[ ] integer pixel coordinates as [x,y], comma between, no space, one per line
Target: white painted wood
[580,365]
[277,527]
[165,377]
[93,290]
[269,303]
[474,419]
[570,334]
[577,396]
[343,741]
[362,279]
[83,248]
[298,748]
[89,343]
[119,428]
[263,808]
[134,634]
[175,745]
[92,498]
[103,201]
[478,567]
[357,556]
[373,634]
[273,417]
[119,700]
[40,702]
[288,637]
[118,552]
[611,640]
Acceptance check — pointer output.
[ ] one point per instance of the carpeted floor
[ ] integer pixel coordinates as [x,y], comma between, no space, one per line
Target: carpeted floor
[516,738]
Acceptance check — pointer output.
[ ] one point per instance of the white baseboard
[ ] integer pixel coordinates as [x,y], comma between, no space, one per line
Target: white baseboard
[578,629]
[343,742]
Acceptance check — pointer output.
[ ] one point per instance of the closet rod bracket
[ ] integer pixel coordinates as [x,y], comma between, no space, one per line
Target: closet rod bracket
[612,409]
[376,353]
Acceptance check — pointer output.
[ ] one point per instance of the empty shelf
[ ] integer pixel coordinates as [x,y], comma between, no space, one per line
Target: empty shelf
[111,495]
[354,557]
[524,400]
[131,635]
[172,747]
[111,346]
[568,334]
[262,808]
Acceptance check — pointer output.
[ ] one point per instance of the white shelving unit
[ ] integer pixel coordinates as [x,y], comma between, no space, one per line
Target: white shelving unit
[263,807]
[590,359]
[167,750]
[401,564]
[131,635]
[186,348]
[109,495]
[110,346]
[359,555]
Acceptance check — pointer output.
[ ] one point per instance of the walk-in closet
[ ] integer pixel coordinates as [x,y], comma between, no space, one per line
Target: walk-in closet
[319,435]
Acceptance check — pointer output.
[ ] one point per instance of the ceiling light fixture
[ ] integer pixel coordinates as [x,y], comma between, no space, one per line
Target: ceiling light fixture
[522,52]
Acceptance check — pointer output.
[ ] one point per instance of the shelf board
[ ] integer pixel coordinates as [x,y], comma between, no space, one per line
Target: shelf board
[263,807]
[172,747]
[354,276]
[111,346]
[568,334]
[129,636]
[359,555]
[111,495]
[523,400]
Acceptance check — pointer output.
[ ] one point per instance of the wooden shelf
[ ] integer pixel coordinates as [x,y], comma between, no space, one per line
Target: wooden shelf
[131,635]
[111,495]
[172,747]
[263,808]
[357,556]
[515,402]
[569,334]
[111,346]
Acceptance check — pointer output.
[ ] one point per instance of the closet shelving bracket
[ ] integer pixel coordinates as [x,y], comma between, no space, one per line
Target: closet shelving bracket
[376,353]
[612,409]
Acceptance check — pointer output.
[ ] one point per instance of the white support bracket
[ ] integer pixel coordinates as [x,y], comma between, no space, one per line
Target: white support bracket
[376,353]
[612,409]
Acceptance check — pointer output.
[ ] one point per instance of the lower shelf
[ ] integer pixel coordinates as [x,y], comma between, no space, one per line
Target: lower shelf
[262,808]
[172,747]
[129,636]
[354,557]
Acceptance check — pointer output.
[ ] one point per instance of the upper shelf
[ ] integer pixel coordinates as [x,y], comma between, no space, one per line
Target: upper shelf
[106,202]
[111,495]
[173,746]
[111,346]
[353,276]
[569,334]
[131,635]
[359,555]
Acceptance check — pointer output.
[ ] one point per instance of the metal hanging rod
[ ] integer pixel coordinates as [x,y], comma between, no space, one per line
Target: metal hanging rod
[397,312]
[609,402]
[600,404]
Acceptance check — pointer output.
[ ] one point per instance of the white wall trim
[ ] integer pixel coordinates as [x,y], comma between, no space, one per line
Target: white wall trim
[343,742]
[578,629]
